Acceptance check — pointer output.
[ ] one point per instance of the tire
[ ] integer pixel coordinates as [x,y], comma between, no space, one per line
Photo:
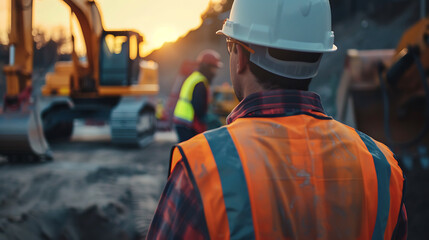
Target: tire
[57,130]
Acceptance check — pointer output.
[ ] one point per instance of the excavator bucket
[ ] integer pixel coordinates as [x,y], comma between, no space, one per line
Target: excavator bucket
[21,136]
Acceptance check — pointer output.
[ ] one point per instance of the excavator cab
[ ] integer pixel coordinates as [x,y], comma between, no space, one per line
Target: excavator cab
[118,66]
[119,58]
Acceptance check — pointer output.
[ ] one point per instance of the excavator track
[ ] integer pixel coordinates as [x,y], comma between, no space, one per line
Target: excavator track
[132,122]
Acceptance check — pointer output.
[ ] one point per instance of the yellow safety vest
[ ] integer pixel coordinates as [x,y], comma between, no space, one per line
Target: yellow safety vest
[184,110]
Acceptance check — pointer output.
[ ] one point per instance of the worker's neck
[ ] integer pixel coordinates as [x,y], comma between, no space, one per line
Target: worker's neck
[250,86]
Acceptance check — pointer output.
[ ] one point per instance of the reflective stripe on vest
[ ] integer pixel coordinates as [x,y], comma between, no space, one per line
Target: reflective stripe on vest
[234,186]
[303,178]
[184,110]
[382,169]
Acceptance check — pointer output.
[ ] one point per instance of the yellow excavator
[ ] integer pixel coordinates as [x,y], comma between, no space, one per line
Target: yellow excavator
[112,84]
[224,101]
[385,93]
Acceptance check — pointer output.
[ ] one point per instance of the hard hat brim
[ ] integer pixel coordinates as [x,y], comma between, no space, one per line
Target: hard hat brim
[219,32]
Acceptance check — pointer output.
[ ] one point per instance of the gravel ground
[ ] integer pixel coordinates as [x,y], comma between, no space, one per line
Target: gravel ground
[92,190]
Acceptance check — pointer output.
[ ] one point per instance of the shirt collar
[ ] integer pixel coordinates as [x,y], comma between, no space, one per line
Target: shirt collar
[276,102]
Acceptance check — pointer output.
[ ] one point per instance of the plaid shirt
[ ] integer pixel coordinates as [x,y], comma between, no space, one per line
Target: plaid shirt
[276,102]
[180,214]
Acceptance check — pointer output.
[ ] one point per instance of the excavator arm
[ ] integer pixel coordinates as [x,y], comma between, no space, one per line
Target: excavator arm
[21,132]
[92,29]
[18,72]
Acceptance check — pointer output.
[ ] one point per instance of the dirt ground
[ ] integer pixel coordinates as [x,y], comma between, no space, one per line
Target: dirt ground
[92,190]
[95,190]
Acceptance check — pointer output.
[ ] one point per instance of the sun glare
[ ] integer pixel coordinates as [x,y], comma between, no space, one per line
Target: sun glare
[160,36]
[158,21]
[4,16]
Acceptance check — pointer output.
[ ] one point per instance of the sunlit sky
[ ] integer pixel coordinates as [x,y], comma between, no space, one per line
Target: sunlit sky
[159,21]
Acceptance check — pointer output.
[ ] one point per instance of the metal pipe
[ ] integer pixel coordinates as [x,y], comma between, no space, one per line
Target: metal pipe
[12,55]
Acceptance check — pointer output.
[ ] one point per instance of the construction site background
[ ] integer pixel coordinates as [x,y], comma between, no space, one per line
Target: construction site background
[358,24]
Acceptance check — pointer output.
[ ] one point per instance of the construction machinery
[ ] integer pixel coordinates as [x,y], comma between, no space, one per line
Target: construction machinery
[224,101]
[112,84]
[385,94]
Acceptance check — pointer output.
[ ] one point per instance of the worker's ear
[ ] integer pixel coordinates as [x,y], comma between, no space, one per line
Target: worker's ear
[243,59]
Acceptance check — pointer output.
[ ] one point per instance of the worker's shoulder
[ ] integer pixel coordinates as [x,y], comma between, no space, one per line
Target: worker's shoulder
[370,141]
[365,138]
[196,75]
[195,78]
[383,148]
[200,87]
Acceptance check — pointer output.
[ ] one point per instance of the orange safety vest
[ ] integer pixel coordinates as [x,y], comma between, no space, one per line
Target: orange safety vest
[294,177]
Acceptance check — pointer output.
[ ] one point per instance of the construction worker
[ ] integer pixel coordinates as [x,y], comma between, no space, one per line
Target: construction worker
[281,168]
[191,108]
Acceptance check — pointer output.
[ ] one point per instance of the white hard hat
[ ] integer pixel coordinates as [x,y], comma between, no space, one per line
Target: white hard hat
[297,25]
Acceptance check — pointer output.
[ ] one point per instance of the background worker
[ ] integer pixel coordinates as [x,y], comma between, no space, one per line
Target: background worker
[191,108]
[281,168]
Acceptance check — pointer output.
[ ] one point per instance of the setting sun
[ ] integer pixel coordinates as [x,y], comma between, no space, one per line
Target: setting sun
[159,21]
[160,36]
